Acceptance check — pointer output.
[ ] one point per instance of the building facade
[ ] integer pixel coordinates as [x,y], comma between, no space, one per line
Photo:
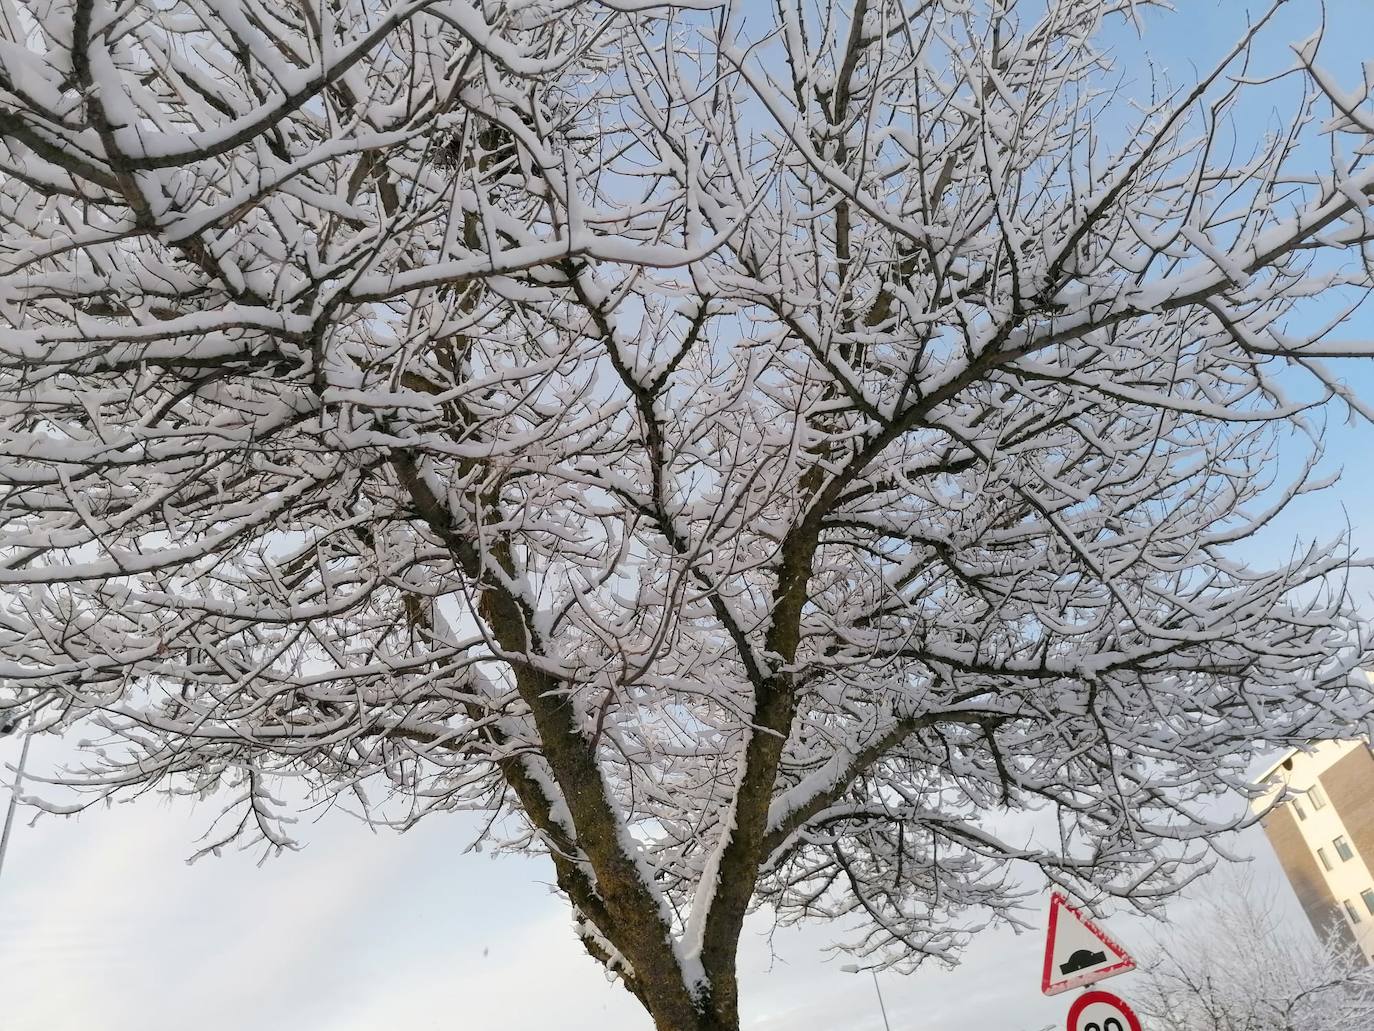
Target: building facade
[1324,835]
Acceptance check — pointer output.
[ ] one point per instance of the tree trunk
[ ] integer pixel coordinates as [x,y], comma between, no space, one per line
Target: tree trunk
[709,1020]
[719,1011]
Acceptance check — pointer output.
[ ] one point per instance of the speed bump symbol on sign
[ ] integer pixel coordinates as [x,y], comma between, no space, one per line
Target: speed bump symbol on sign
[1078,952]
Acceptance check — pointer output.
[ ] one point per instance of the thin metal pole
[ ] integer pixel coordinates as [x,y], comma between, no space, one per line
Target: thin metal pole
[14,798]
[881,1007]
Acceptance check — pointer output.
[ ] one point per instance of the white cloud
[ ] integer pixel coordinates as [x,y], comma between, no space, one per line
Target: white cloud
[103,927]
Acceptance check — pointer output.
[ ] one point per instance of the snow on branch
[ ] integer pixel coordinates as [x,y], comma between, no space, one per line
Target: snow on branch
[802,457]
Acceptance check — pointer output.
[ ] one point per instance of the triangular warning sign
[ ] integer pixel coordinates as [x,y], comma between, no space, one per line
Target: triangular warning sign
[1077,951]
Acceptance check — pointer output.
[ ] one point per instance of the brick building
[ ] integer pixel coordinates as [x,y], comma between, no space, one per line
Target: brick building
[1324,835]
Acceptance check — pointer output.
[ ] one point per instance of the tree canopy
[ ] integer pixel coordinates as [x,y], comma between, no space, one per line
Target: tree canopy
[757,454]
[1239,966]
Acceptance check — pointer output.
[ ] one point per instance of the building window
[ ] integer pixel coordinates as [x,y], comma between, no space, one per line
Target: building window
[1315,796]
[1343,849]
[1351,911]
[1299,810]
[1326,860]
[1368,896]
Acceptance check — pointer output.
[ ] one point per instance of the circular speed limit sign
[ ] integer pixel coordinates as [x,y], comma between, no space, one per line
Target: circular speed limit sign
[1102,1011]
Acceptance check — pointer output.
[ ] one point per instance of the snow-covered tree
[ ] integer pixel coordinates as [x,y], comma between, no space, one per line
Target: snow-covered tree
[750,452]
[1238,966]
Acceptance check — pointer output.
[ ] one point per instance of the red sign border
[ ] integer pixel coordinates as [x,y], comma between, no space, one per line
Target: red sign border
[1097,995]
[1059,901]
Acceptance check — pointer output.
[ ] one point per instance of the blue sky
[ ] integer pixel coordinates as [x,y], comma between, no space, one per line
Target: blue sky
[104,927]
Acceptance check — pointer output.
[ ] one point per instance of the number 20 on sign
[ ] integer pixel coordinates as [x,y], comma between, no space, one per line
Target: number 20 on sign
[1102,1011]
